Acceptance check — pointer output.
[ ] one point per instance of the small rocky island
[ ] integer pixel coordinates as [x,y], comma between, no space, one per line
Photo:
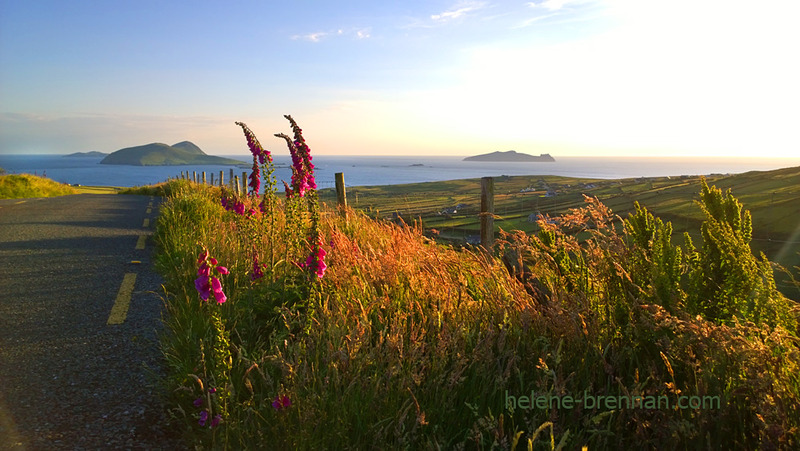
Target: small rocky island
[511,156]
[159,154]
[92,154]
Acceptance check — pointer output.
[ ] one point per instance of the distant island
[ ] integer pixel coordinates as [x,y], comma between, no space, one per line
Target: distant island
[92,154]
[159,154]
[511,155]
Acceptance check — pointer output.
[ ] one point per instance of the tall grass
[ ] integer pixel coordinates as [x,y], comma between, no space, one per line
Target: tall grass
[163,189]
[17,186]
[404,343]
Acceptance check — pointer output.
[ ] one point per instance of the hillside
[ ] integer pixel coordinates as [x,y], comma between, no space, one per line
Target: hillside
[159,154]
[511,155]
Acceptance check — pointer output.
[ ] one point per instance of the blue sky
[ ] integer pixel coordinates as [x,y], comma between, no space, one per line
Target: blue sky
[568,77]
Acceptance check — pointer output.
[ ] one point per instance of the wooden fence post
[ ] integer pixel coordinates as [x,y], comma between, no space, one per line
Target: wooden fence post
[204,177]
[231,174]
[221,179]
[244,183]
[212,179]
[236,184]
[487,212]
[341,194]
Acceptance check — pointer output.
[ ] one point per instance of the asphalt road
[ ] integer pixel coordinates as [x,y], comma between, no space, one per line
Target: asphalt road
[68,378]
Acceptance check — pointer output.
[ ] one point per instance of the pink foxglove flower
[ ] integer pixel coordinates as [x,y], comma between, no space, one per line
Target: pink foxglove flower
[215,421]
[261,153]
[302,168]
[260,156]
[281,402]
[206,284]
[257,271]
[216,286]
[316,261]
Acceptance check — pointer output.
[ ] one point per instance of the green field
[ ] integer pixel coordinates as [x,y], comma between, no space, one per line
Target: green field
[771,196]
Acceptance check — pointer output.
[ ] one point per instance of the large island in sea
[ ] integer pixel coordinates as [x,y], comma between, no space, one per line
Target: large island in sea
[511,155]
[159,154]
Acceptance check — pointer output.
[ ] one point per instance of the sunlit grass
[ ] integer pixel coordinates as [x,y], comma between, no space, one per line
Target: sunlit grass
[406,343]
[17,186]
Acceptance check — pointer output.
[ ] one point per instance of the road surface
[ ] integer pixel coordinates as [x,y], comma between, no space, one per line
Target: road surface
[79,311]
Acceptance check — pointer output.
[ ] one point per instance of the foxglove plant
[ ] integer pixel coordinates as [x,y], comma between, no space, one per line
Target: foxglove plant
[258,271]
[302,191]
[260,156]
[237,206]
[302,167]
[316,261]
[281,402]
[206,284]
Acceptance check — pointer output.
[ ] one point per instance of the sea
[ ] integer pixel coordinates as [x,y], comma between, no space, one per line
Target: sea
[388,170]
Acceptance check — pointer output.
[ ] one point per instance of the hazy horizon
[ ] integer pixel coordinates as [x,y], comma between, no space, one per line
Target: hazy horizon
[584,78]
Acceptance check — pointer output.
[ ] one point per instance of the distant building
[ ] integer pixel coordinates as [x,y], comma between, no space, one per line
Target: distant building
[473,239]
[535,217]
[453,210]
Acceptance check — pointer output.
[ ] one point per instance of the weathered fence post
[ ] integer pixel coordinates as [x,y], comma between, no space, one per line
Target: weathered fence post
[204,177]
[244,183]
[194,176]
[236,184]
[487,212]
[212,179]
[341,194]
[231,174]
[221,179]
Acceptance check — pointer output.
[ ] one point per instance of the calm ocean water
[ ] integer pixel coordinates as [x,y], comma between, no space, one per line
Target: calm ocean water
[389,170]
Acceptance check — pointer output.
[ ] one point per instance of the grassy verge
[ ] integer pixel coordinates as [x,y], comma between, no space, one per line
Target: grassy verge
[163,189]
[16,186]
[406,343]
[98,189]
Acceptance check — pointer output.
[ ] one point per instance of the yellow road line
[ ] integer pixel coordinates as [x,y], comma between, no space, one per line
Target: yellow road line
[146,222]
[140,242]
[120,309]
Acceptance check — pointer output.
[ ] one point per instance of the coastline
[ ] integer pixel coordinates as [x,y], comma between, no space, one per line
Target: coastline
[390,170]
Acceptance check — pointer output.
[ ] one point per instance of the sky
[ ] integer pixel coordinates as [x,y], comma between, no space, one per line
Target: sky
[565,77]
